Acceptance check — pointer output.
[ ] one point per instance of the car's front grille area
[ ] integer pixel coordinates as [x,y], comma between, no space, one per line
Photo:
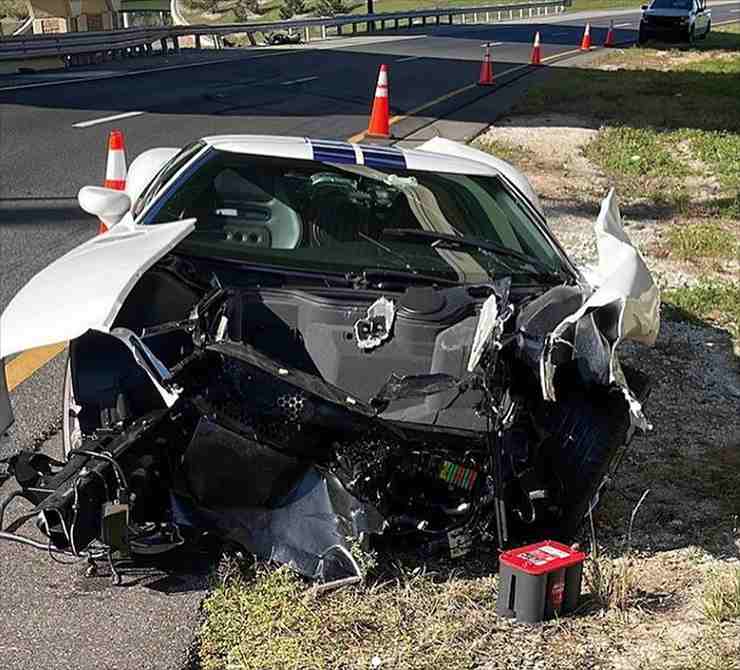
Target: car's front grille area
[664,21]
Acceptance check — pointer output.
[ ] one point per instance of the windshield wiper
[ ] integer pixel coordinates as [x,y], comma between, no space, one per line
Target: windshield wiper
[371,276]
[447,241]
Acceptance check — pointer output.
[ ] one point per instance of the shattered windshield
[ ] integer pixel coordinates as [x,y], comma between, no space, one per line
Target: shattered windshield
[311,216]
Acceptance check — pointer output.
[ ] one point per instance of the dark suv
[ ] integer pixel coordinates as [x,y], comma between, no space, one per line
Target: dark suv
[675,19]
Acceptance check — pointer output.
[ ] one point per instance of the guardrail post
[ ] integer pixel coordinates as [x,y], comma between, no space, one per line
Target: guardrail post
[382,24]
[175,43]
[395,24]
[198,42]
[488,17]
[308,34]
[323,32]
[339,29]
[475,17]
[438,18]
[411,21]
[148,49]
[451,18]
[163,42]
[354,28]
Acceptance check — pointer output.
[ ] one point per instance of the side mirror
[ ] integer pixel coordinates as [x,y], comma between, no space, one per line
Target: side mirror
[108,205]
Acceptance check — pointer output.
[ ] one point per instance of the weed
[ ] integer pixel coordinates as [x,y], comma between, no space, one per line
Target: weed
[706,240]
[716,301]
[634,152]
[515,155]
[721,597]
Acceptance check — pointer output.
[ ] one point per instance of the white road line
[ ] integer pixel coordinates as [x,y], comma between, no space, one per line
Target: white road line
[622,25]
[408,58]
[106,119]
[297,81]
[735,11]
[491,44]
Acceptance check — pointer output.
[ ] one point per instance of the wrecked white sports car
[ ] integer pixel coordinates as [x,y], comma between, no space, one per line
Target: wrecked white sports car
[291,343]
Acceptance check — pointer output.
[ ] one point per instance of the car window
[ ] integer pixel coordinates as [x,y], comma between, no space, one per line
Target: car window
[672,4]
[313,216]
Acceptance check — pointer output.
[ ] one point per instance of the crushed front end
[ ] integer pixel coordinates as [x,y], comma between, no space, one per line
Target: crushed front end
[294,422]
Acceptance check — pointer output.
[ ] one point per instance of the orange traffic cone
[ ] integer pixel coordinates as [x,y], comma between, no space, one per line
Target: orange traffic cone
[486,69]
[586,41]
[380,116]
[115,168]
[535,60]
[610,35]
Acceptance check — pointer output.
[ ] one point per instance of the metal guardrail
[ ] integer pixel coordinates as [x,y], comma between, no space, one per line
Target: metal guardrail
[110,43]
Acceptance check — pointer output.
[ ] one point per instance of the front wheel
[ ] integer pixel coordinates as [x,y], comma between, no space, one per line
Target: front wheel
[692,36]
[642,36]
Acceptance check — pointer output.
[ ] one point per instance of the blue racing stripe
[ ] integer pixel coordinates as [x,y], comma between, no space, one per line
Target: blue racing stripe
[328,151]
[384,158]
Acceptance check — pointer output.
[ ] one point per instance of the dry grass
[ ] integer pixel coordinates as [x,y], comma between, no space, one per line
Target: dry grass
[721,597]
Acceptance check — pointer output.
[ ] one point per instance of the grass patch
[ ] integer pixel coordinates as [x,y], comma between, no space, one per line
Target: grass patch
[611,582]
[715,301]
[412,623]
[706,240]
[520,156]
[721,597]
[635,152]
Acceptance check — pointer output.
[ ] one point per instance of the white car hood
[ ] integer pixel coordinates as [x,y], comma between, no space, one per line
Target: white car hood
[85,288]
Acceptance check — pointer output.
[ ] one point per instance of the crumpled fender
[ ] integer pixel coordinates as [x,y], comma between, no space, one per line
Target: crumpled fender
[85,288]
[625,303]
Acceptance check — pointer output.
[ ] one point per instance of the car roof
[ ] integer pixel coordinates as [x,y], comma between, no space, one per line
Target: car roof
[378,156]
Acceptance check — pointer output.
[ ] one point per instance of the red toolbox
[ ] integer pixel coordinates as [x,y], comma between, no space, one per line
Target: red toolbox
[539,581]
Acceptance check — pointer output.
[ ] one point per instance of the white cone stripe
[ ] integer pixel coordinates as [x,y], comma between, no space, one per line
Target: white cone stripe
[537,39]
[383,78]
[116,165]
[588,29]
[381,92]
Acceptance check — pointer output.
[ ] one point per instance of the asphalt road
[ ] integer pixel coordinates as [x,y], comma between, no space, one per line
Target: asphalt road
[53,133]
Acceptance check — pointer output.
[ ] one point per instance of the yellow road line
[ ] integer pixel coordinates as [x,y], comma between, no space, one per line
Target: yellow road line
[28,362]
[359,137]
[24,365]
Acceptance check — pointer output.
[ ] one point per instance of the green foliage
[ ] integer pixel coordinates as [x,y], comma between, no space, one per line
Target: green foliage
[635,152]
[291,8]
[14,9]
[706,240]
[712,300]
[330,7]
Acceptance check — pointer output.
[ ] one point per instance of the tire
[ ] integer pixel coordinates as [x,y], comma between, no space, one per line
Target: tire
[642,37]
[692,36]
[71,430]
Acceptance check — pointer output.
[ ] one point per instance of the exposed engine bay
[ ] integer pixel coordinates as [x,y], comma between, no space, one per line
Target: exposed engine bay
[295,418]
